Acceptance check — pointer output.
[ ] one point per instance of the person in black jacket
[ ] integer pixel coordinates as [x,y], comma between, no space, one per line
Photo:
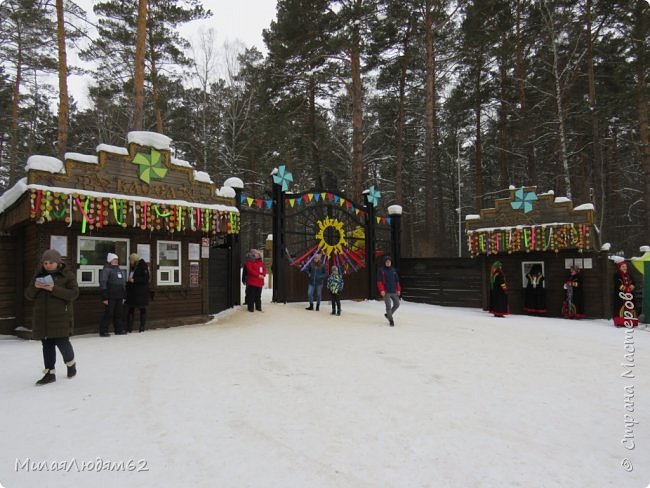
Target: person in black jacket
[137,291]
[112,279]
[498,288]
[53,290]
[390,289]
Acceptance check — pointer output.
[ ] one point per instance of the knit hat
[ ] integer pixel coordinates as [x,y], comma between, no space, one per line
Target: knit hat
[134,257]
[110,256]
[52,256]
[387,258]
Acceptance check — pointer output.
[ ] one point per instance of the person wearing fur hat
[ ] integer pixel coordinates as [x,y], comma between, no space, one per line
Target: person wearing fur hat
[624,313]
[137,291]
[389,288]
[112,280]
[53,290]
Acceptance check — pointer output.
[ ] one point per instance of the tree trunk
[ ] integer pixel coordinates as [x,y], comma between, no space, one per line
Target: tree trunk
[138,77]
[401,118]
[641,57]
[13,160]
[429,104]
[63,81]
[478,150]
[315,155]
[531,169]
[357,116]
[502,126]
[597,164]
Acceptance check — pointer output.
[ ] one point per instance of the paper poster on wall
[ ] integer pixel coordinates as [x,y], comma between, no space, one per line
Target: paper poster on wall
[588,263]
[193,251]
[194,275]
[59,243]
[144,251]
[205,252]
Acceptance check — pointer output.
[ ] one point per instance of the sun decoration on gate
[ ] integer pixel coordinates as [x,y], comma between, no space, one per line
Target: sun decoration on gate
[326,247]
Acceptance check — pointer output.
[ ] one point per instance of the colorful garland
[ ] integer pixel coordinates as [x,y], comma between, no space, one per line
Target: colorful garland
[47,206]
[551,237]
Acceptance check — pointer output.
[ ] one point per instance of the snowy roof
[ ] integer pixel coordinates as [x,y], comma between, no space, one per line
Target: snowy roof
[585,206]
[617,259]
[202,176]
[395,210]
[234,182]
[510,227]
[112,149]
[183,203]
[84,158]
[562,200]
[150,139]
[181,162]
[8,198]
[226,192]
[45,163]
[472,217]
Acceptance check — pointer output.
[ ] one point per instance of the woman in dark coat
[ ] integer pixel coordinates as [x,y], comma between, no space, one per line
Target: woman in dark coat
[624,313]
[498,297]
[137,291]
[53,290]
[535,294]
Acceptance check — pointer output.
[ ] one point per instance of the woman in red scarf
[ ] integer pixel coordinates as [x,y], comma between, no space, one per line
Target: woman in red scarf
[624,313]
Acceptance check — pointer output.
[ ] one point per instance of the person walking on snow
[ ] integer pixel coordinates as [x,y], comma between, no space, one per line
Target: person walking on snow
[254,271]
[389,288]
[316,276]
[335,286]
[53,290]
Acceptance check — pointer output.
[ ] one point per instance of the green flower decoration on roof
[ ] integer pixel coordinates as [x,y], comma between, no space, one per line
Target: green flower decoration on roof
[151,167]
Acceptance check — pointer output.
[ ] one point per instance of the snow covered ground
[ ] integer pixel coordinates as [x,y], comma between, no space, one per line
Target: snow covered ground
[290,398]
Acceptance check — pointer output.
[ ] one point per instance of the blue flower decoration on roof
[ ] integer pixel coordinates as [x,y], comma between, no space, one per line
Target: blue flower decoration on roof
[523,201]
[283,177]
[373,196]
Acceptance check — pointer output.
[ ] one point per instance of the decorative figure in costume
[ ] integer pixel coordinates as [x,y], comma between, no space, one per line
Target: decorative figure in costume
[53,290]
[535,293]
[254,273]
[498,297]
[573,306]
[137,291]
[624,313]
[335,286]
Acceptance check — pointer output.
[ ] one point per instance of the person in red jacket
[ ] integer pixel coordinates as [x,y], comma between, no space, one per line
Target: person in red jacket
[254,272]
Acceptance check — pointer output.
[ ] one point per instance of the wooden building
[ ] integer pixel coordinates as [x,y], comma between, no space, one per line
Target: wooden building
[137,199]
[529,228]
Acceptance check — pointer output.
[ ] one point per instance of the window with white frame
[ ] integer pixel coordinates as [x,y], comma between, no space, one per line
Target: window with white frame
[169,263]
[91,257]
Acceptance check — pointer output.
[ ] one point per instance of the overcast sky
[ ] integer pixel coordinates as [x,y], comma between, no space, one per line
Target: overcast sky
[231,20]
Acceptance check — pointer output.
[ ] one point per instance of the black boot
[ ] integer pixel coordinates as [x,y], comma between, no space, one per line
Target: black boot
[143,319]
[48,377]
[338,312]
[72,369]
[317,307]
[310,307]
[129,320]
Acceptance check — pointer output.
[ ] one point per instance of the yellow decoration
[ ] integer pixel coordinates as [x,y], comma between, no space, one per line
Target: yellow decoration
[326,247]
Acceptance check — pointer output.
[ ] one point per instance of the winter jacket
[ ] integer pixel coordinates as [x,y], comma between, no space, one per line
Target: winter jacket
[335,284]
[316,274]
[137,293]
[388,280]
[255,272]
[53,312]
[112,279]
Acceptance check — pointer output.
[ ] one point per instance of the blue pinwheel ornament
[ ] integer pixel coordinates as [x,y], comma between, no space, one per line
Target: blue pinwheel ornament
[373,196]
[283,177]
[523,201]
